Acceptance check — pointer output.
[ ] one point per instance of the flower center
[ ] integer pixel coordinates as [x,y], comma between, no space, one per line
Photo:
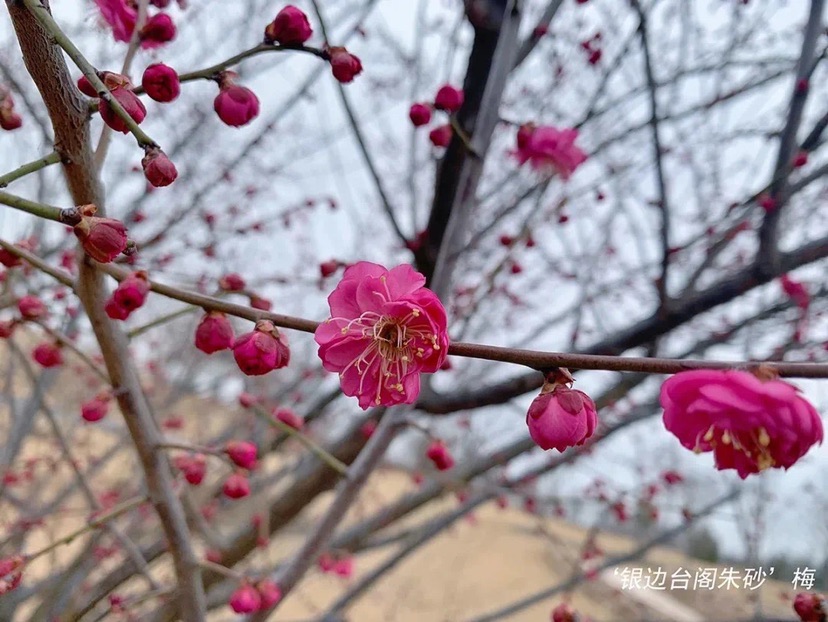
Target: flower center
[753,443]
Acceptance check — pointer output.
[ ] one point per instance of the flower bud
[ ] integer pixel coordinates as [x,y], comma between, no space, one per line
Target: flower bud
[161,83]
[158,30]
[131,293]
[245,599]
[262,350]
[232,282]
[158,168]
[31,307]
[289,418]
[235,105]
[291,27]
[344,65]
[236,486]
[193,467]
[448,99]
[103,239]
[95,409]
[120,88]
[214,333]
[561,417]
[242,453]
[440,136]
[48,355]
[420,114]
[439,454]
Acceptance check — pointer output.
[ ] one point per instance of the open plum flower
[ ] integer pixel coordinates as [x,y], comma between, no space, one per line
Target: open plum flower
[385,329]
[750,425]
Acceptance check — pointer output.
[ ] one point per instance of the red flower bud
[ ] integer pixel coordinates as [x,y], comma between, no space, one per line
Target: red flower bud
[7,328]
[291,27]
[193,467]
[161,83]
[31,307]
[439,454]
[9,119]
[262,350]
[235,105]
[245,599]
[121,91]
[232,282]
[131,293]
[48,355]
[440,136]
[158,30]
[420,114]
[214,333]
[236,486]
[95,409]
[158,168]
[344,65]
[11,572]
[116,311]
[242,453]
[289,418]
[327,268]
[448,98]
[103,239]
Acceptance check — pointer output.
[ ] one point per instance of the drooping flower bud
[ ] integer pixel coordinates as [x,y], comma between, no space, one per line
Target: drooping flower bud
[439,454]
[232,282]
[31,307]
[289,418]
[9,119]
[561,417]
[116,311]
[158,30]
[121,90]
[235,105]
[242,453]
[420,114]
[214,333]
[245,599]
[262,350]
[344,65]
[103,239]
[291,27]
[131,293]
[448,98]
[161,83]
[158,168]
[96,408]
[193,467]
[7,328]
[440,136]
[236,486]
[48,355]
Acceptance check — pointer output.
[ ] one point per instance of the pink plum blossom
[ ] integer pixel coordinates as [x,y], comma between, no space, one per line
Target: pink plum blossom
[386,328]
[748,424]
[548,148]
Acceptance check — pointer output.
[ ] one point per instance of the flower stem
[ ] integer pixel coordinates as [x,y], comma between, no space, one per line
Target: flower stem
[336,464]
[31,167]
[94,523]
[49,212]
